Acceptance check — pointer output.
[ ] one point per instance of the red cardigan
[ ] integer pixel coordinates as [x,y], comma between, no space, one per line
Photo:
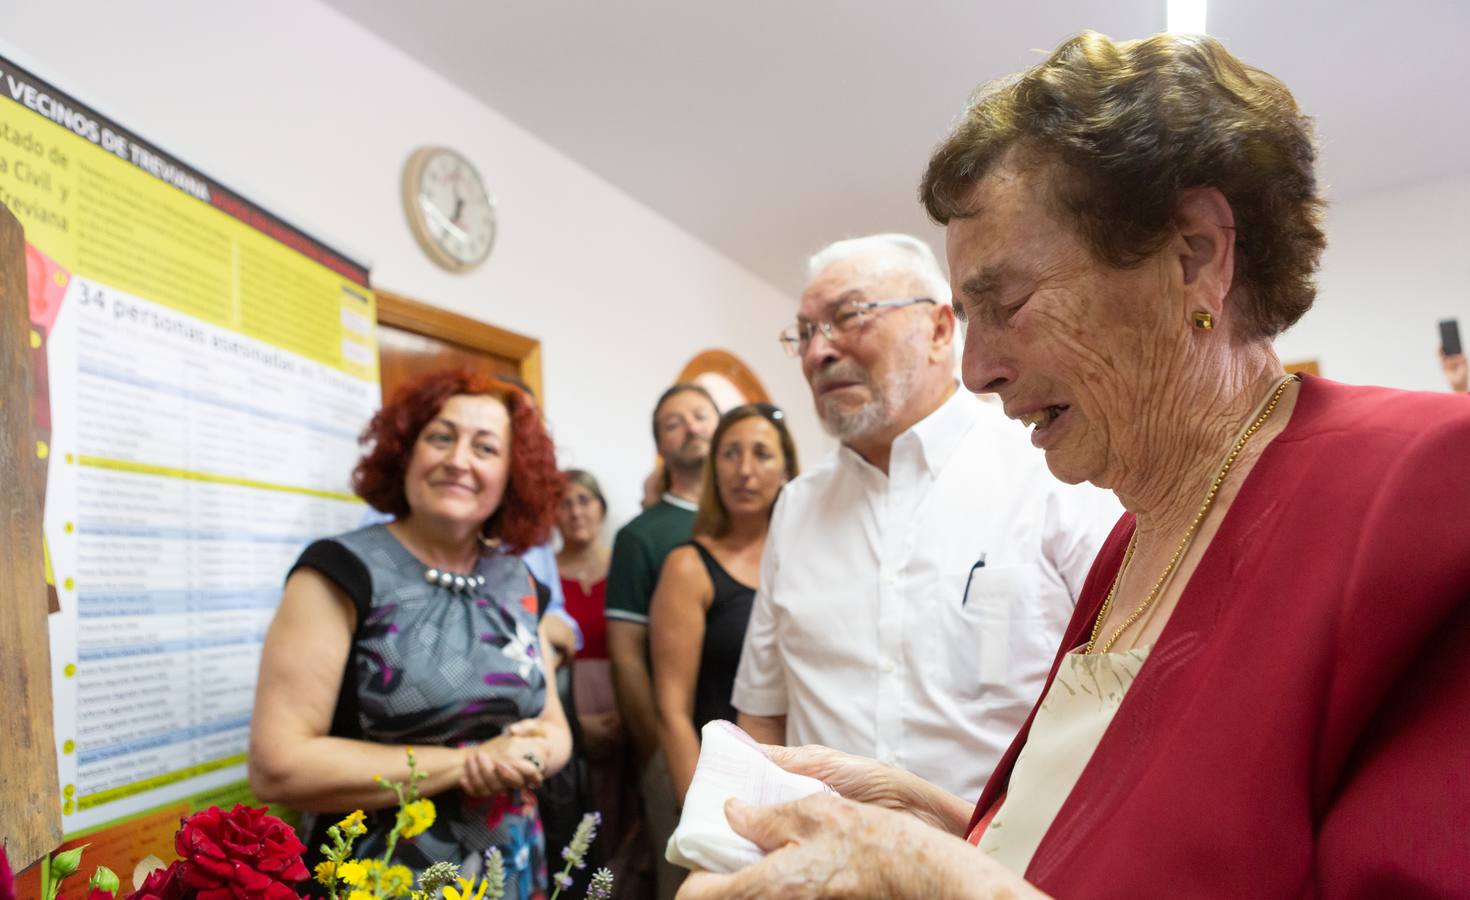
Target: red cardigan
[1302,726]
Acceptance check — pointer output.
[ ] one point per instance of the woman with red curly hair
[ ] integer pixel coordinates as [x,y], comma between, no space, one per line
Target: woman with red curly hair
[423,631]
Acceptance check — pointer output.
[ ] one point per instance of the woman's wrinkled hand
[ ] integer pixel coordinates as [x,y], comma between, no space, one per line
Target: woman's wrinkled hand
[854,777]
[819,846]
[831,847]
[869,781]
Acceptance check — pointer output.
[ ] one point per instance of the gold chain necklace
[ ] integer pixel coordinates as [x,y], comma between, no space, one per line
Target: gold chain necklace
[1188,539]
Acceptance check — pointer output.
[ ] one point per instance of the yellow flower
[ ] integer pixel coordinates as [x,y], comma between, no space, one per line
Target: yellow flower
[396,881]
[417,817]
[352,871]
[352,825]
[467,890]
[372,867]
[324,870]
[360,895]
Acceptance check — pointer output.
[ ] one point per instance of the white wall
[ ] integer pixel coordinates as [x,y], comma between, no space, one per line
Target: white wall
[1397,262]
[312,117]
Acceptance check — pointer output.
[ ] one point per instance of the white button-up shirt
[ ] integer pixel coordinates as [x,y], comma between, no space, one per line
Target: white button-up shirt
[878,630]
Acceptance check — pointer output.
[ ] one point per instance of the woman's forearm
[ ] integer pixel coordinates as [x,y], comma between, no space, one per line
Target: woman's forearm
[331,774]
[681,746]
[553,718]
[946,867]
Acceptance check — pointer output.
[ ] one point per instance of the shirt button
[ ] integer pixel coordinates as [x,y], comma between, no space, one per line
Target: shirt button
[887,666]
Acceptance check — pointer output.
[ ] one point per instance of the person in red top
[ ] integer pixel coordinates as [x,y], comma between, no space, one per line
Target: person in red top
[583,560]
[583,563]
[1264,691]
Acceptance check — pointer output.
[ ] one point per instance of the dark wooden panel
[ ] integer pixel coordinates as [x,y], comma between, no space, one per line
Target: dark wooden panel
[403,356]
[415,338]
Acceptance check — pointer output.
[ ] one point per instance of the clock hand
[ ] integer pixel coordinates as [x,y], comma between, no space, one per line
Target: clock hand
[447,223]
[458,208]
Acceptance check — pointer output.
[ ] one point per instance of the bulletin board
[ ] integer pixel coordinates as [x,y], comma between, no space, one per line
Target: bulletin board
[201,371]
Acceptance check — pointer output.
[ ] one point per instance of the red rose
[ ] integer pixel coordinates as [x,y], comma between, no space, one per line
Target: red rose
[244,854]
[162,884]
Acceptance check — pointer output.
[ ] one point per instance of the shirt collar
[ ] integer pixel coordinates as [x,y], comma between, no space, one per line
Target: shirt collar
[935,437]
[939,434]
[675,500]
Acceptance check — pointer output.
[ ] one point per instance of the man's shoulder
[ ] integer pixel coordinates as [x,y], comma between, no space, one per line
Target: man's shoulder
[657,519]
[648,538]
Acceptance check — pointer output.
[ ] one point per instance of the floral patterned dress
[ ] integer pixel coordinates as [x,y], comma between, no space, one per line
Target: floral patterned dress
[430,665]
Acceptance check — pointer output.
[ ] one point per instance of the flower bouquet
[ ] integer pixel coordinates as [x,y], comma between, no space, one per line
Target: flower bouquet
[348,878]
[248,854]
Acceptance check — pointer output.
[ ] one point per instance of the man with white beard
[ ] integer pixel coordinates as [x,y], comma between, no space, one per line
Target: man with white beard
[914,587]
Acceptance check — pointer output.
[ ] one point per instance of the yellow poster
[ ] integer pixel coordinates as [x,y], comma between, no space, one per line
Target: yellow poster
[202,371]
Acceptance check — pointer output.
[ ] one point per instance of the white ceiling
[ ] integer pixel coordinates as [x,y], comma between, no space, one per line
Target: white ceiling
[768,127]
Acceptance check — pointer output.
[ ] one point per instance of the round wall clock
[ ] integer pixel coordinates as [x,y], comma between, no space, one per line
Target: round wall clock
[449,211]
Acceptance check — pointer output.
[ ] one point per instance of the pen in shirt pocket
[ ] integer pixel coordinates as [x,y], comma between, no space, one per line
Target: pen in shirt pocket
[979,564]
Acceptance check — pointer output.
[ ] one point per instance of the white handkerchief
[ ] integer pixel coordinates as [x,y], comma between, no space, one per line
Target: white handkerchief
[731,764]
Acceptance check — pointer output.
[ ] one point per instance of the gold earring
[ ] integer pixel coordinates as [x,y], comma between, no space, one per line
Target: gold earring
[1203,320]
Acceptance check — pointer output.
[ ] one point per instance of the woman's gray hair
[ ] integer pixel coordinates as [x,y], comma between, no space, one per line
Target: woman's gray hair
[921,259]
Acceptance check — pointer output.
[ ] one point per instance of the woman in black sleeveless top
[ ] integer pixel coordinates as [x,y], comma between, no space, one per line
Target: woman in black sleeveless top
[702,604]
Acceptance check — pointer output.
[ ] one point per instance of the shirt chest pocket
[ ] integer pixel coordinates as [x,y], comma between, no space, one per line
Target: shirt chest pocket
[989,634]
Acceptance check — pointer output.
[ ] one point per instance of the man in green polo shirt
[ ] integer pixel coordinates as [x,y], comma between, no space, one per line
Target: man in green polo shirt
[683,421]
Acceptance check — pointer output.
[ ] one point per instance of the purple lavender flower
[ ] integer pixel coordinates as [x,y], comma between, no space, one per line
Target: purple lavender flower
[575,852]
[601,886]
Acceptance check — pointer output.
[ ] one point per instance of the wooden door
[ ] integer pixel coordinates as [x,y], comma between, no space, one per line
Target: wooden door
[415,339]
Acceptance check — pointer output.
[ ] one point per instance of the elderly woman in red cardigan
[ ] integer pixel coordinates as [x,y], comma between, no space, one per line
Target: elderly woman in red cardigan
[1265,690]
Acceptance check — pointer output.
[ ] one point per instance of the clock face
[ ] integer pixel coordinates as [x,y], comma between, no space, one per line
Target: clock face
[452,215]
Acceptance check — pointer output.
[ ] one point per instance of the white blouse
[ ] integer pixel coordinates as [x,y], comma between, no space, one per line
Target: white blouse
[1076,711]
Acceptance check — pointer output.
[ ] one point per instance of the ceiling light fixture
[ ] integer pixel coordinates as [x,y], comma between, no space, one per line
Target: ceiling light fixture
[1186,16]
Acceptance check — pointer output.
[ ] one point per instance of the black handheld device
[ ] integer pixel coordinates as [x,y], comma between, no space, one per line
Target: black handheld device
[1449,337]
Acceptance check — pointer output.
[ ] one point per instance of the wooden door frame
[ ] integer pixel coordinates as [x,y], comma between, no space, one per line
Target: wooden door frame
[729,366]
[398,311]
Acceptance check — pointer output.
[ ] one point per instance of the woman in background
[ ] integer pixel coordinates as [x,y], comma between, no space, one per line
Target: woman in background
[700,609]
[423,631]
[583,563]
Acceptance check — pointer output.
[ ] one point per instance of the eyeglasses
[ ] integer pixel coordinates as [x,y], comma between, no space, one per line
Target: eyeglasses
[846,319]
